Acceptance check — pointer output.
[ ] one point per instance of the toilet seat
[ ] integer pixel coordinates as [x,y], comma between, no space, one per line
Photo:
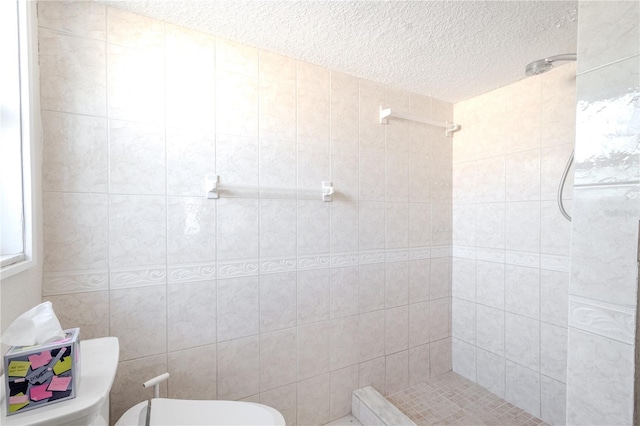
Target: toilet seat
[171,412]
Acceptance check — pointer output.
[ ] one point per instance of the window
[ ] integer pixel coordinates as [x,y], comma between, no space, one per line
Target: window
[16,136]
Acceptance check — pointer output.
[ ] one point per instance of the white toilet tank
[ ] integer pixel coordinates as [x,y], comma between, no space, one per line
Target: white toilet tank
[99,363]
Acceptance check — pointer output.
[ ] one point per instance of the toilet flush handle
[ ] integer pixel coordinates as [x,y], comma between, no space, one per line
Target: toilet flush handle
[155,382]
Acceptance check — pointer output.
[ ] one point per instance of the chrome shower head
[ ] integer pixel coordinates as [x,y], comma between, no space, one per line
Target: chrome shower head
[543,65]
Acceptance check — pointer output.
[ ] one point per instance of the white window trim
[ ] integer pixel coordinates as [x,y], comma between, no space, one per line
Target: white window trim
[31,132]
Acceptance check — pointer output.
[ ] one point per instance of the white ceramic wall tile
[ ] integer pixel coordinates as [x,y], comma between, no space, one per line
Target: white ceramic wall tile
[282,399]
[278,358]
[237,161]
[463,323]
[490,372]
[138,316]
[80,18]
[190,157]
[313,227]
[278,163]
[490,328]
[613,242]
[440,357]
[396,329]
[137,230]
[552,163]
[370,329]
[75,231]
[440,318]
[343,383]
[419,328]
[554,297]
[238,307]
[611,399]
[277,301]
[73,73]
[397,372]
[236,103]
[372,373]
[464,359]
[490,180]
[133,30]
[553,401]
[344,109]
[463,278]
[555,230]
[190,88]
[127,389]
[523,226]
[239,368]
[344,343]
[371,287]
[191,230]
[313,292]
[523,176]
[523,388]
[419,280]
[135,87]
[344,291]
[313,349]
[371,222]
[277,112]
[313,115]
[314,400]
[419,365]
[182,385]
[522,341]
[191,314]
[75,153]
[345,174]
[553,352]
[372,173]
[601,42]
[396,284]
[344,227]
[490,284]
[522,291]
[89,311]
[237,229]
[440,277]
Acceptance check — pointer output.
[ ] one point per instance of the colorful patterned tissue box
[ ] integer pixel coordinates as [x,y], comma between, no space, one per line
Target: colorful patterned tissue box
[36,376]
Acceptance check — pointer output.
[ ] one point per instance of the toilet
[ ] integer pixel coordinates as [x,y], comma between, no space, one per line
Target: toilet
[170,412]
[99,359]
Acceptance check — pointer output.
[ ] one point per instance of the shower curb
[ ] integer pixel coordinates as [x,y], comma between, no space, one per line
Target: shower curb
[373,409]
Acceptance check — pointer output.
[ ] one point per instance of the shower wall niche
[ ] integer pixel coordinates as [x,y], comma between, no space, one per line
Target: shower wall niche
[510,272]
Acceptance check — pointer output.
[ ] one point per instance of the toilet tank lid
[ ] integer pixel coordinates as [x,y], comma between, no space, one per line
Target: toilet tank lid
[99,362]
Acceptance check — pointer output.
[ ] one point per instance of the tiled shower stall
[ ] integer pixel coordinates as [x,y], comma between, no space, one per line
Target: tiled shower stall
[435,252]
[290,301]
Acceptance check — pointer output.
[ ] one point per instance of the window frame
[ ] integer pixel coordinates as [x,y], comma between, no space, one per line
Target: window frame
[31,132]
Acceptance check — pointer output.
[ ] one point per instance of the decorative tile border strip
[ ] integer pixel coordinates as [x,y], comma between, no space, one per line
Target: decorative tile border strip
[397,255]
[313,262]
[55,283]
[344,259]
[419,253]
[372,257]
[239,268]
[440,251]
[604,319]
[137,277]
[272,266]
[192,272]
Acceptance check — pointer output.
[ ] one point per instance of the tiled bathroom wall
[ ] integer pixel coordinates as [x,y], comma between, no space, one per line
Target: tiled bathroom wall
[268,297]
[510,242]
[604,249]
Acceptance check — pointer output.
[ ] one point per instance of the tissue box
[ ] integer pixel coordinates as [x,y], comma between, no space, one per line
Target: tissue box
[36,376]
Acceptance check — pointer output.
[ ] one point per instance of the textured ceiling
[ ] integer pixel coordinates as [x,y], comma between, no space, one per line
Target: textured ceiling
[451,50]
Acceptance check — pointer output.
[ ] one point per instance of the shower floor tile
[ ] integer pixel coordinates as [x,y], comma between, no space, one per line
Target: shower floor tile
[450,399]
